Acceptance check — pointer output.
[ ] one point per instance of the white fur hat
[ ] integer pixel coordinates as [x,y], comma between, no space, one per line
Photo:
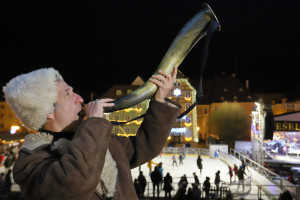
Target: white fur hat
[32,96]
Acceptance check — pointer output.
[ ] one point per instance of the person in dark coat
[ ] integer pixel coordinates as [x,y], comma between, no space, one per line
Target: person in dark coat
[168,185]
[196,192]
[206,187]
[217,180]
[199,163]
[156,179]
[189,195]
[8,182]
[240,175]
[160,168]
[197,182]
[143,183]
[182,180]
[137,188]
[180,194]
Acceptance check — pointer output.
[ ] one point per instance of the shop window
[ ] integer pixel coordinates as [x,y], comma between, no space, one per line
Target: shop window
[129,91]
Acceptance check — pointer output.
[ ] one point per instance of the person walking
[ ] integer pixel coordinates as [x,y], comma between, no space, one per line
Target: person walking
[168,185]
[174,160]
[156,179]
[230,172]
[143,183]
[240,174]
[69,149]
[206,187]
[199,163]
[235,169]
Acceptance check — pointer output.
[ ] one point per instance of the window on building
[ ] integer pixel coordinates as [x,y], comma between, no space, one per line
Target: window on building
[127,130]
[235,98]
[177,84]
[127,118]
[249,97]
[188,93]
[129,91]
[241,90]
[225,90]
[119,92]
[205,134]
[116,130]
[222,98]
[205,111]
[1,116]
[2,106]
[117,117]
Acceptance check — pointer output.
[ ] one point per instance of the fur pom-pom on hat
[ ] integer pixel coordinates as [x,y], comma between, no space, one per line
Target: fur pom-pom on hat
[32,96]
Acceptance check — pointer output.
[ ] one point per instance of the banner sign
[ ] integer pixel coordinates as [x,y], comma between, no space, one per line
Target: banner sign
[286,126]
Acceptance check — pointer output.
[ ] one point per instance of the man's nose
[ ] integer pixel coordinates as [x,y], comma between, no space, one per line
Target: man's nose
[79,99]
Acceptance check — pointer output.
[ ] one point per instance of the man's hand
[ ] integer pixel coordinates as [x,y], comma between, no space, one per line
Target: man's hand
[95,108]
[165,83]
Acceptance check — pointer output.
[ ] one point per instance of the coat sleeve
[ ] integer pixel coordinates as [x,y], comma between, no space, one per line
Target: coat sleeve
[74,175]
[153,132]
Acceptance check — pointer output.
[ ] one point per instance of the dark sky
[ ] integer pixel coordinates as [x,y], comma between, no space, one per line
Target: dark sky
[96,44]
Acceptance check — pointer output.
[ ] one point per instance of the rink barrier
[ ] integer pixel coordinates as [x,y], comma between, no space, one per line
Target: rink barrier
[188,150]
[278,181]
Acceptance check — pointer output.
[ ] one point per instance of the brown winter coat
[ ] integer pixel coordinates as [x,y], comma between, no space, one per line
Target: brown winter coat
[75,174]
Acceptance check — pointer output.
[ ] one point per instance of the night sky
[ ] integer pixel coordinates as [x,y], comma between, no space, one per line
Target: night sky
[96,44]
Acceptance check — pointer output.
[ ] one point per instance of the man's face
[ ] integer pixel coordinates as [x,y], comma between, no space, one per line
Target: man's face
[68,105]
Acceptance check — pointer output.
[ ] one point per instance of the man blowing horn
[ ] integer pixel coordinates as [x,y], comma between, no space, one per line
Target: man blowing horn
[74,159]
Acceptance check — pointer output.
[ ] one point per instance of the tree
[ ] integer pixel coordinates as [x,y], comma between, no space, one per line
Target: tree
[230,122]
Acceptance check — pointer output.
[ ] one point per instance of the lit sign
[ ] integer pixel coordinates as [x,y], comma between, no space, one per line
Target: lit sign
[287,126]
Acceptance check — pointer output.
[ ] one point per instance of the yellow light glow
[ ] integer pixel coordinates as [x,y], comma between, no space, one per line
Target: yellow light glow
[169,138]
[188,139]
[133,109]
[198,128]
[15,127]
[188,124]
[126,135]
[188,98]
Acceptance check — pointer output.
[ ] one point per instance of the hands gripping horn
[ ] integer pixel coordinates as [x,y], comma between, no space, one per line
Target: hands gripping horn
[189,35]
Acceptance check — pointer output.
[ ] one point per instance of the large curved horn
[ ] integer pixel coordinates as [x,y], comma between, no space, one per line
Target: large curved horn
[189,35]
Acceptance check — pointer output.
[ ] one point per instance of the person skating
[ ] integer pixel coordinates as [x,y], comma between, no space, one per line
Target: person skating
[174,160]
[180,159]
[199,163]
[235,169]
[76,158]
[240,175]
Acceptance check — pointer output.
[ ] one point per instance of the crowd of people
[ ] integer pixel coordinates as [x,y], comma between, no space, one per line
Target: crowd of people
[6,162]
[186,190]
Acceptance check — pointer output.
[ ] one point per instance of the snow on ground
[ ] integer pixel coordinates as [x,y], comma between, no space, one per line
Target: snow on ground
[210,167]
